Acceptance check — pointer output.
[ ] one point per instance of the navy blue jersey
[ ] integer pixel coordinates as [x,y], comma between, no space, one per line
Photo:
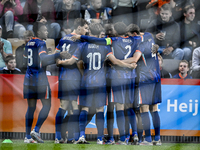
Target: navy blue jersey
[68,72]
[179,76]
[36,72]
[148,66]
[93,57]
[123,48]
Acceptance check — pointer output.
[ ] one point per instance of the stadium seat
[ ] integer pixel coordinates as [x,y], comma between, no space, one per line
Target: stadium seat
[171,65]
[15,42]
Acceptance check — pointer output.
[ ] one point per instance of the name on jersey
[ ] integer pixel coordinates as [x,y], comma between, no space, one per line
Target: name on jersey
[93,46]
[31,43]
[67,38]
[126,40]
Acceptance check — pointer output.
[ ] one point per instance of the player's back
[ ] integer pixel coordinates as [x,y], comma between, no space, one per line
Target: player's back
[68,72]
[123,48]
[36,73]
[148,65]
[93,57]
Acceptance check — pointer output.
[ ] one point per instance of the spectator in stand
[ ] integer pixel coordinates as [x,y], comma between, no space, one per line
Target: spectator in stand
[43,11]
[154,6]
[10,65]
[7,48]
[125,11]
[183,70]
[166,34]
[96,13]
[196,63]
[20,51]
[9,12]
[66,16]
[190,35]
[178,8]
[163,73]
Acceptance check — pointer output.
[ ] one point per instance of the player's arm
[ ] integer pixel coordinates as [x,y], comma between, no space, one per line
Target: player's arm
[66,62]
[98,41]
[80,66]
[48,59]
[120,63]
[134,59]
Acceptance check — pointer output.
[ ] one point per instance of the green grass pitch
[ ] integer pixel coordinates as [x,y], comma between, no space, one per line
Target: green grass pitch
[49,145]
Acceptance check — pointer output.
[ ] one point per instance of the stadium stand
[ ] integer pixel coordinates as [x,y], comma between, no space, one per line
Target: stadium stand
[15,42]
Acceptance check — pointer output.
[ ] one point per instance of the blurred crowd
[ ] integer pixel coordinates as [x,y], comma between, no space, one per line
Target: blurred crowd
[175,24]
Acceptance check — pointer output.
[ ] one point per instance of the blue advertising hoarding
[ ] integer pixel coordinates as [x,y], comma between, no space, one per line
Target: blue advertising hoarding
[179,109]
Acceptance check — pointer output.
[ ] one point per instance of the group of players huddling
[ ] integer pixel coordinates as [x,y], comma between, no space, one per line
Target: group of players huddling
[119,71]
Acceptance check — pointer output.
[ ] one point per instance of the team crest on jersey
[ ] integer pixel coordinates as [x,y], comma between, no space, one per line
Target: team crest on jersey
[149,40]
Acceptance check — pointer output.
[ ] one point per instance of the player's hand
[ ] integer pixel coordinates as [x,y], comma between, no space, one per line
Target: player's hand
[1,47]
[160,36]
[132,66]
[154,48]
[58,62]
[167,50]
[76,37]
[65,55]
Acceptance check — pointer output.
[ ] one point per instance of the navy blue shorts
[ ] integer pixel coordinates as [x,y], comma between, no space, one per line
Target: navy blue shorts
[150,93]
[93,97]
[37,92]
[122,91]
[68,90]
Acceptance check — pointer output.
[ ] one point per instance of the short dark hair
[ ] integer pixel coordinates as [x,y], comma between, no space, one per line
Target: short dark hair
[186,8]
[96,28]
[36,27]
[120,28]
[133,28]
[79,22]
[166,7]
[185,61]
[28,33]
[8,58]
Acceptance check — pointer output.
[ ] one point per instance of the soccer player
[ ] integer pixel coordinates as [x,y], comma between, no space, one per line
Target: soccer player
[69,84]
[121,81]
[149,84]
[36,84]
[183,70]
[93,85]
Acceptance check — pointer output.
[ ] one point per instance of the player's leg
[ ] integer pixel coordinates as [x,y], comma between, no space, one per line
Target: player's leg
[29,119]
[43,93]
[139,125]
[59,120]
[110,122]
[121,122]
[156,123]
[82,124]
[144,110]
[43,114]
[132,120]
[73,123]
[127,127]
[100,124]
